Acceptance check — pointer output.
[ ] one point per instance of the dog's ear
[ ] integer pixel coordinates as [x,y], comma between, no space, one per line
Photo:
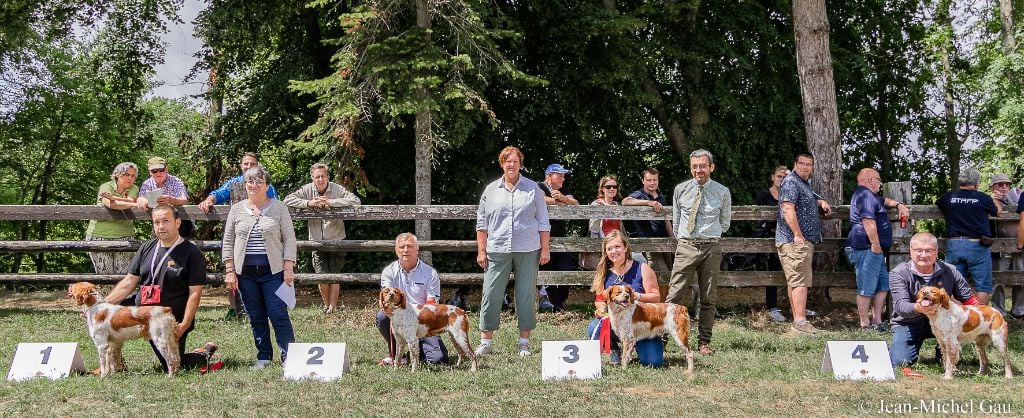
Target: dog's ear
[920,294]
[607,293]
[381,296]
[399,298]
[943,298]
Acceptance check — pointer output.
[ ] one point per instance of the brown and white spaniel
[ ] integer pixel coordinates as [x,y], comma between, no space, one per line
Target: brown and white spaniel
[410,323]
[633,320]
[111,325]
[954,324]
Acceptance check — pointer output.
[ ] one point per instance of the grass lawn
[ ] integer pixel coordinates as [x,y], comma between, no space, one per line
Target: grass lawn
[760,368]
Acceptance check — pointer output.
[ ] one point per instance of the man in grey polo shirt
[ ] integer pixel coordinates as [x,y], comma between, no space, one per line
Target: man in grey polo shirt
[799,228]
[702,212]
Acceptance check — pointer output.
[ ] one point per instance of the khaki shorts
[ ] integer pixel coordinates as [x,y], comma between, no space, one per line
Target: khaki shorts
[796,263]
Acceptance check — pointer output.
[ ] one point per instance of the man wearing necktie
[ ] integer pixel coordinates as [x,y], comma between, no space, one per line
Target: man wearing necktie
[702,213]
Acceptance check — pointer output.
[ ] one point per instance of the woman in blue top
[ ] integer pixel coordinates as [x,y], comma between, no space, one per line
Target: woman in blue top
[617,267]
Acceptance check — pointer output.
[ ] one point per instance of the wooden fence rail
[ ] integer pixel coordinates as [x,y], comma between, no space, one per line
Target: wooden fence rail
[455,212]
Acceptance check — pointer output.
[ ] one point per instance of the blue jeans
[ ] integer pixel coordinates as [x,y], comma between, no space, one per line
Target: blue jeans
[970,256]
[256,286]
[872,275]
[650,351]
[907,341]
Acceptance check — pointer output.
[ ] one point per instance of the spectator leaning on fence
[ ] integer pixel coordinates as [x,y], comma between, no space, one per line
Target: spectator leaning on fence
[702,213]
[910,326]
[172,190]
[556,193]
[259,255]
[118,194]
[798,229]
[868,244]
[766,229]
[321,194]
[1007,195]
[177,267]
[649,195]
[421,285]
[223,193]
[968,233]
[512,234]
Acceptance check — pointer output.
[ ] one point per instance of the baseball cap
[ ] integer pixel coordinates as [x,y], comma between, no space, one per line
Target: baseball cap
[156,162]
[999,178]
[556,168]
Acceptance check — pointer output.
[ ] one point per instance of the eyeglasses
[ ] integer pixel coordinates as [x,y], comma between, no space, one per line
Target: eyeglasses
[922,251]
[255,182]
[611,186]
[157,170]
[699,166]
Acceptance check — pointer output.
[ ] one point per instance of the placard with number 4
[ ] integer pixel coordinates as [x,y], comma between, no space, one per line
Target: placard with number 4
[857,360]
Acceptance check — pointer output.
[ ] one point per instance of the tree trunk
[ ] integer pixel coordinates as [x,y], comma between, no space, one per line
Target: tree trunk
[821,119]
[1009,39]
[954,146]
[424,139]
[679,138]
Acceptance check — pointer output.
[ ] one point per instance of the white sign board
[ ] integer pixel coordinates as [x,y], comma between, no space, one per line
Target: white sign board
[570,359]
[50,360]
[858,360]
[321,361]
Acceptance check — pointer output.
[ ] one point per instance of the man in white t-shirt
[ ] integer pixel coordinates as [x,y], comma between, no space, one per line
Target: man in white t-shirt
[421,285]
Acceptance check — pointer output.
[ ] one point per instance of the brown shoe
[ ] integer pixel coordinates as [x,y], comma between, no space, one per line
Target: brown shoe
[705,349]
[805,327]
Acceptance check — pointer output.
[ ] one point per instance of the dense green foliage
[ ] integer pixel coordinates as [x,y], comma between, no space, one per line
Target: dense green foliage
[603,86]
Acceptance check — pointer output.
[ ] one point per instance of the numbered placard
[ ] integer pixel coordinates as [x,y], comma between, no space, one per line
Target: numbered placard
[858,360]
[49,360]
[570,359]
[321,361]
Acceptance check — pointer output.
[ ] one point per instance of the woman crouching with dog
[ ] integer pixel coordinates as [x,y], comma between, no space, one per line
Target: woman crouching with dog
[617,267]
[259,255]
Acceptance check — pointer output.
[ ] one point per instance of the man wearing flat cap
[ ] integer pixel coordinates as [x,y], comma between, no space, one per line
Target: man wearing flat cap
[1003,192]
[172,189]
[556,192]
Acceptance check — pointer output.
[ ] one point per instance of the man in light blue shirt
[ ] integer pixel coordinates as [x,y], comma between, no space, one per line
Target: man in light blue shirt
[702,213]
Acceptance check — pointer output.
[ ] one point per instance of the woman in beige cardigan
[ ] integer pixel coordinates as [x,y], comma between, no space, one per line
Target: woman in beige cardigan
[259,255]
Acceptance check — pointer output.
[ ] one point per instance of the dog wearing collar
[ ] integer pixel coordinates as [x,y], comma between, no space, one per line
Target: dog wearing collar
[633,320]
[111,325]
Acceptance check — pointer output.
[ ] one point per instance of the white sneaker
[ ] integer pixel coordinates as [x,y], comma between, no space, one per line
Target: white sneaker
[483,349]
[524,350]
[809,312]
[260,364]
[776,315]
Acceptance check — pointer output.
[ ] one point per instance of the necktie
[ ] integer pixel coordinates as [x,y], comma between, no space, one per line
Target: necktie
[693,211]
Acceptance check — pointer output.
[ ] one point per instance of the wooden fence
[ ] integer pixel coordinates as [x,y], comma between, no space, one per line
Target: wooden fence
[457,212]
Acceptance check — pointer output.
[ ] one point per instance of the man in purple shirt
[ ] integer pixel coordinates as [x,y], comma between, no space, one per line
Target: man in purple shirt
[172,189]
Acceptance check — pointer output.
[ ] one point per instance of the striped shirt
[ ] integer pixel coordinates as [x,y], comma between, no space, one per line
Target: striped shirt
[255,243]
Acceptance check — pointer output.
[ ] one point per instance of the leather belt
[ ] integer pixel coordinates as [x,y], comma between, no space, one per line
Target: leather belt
[701,241]
[965,238]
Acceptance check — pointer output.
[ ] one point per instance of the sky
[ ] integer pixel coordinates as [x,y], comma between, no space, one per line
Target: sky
[181,46]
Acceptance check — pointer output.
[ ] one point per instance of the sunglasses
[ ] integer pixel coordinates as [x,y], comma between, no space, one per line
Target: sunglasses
[157,170]
[611,186]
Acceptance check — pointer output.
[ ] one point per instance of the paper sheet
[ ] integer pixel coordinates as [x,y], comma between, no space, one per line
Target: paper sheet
[287,295]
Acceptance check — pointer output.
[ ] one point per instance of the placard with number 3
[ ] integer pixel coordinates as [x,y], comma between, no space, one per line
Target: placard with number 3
[570,359]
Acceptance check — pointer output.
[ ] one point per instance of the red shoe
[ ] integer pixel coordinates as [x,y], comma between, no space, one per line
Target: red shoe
[907,372]
[212,368]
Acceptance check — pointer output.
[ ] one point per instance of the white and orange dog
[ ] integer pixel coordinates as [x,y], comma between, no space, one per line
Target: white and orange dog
[633,320]
[111,325]
[410,323]
[954,324]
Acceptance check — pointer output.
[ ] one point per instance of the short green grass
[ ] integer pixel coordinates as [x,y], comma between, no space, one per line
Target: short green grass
[760,368]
